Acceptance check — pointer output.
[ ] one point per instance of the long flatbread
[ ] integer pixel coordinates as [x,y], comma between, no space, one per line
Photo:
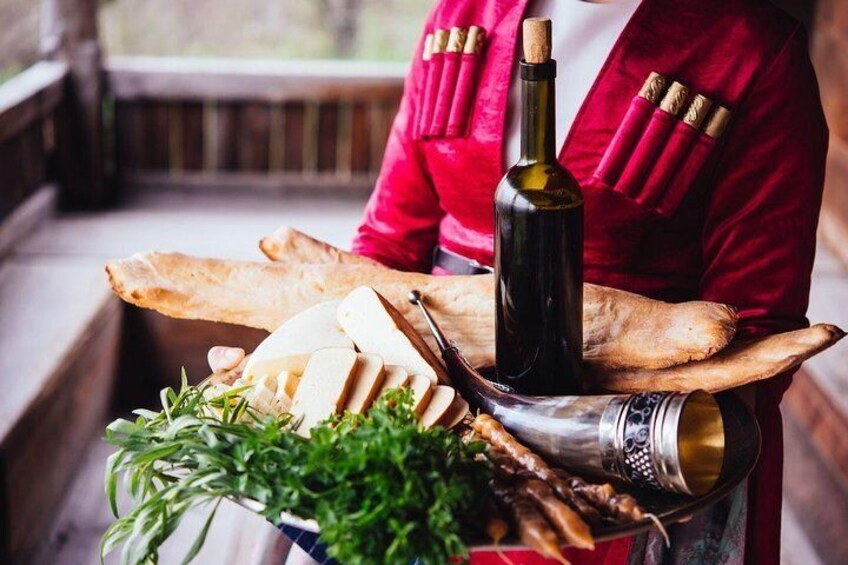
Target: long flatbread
[293,246]
[695,331]
[741,363]
[621,329]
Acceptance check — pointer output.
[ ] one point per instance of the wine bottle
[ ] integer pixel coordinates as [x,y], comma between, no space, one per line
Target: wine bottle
[539,244]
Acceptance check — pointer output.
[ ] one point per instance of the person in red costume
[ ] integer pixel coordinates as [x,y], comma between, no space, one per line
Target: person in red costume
[741,231]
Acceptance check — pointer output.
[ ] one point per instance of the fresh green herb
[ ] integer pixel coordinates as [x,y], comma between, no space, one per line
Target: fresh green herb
[382,489]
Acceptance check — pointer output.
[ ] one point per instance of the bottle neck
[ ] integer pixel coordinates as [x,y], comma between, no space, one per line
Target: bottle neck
[538,119]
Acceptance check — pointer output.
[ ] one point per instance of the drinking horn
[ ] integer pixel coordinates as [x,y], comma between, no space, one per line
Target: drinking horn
[667,441]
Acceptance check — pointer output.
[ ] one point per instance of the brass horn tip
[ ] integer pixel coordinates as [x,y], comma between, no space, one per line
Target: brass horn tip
[414,297]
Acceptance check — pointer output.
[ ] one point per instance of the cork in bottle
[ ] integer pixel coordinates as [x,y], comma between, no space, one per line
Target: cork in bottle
[537,40]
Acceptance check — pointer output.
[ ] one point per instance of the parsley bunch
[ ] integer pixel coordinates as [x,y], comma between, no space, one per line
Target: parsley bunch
[382,489]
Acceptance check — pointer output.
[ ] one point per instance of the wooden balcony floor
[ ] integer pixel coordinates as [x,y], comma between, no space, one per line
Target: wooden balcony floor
[213,225]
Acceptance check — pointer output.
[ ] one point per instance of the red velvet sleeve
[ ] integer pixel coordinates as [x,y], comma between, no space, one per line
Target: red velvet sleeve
[401,222]
[759,236]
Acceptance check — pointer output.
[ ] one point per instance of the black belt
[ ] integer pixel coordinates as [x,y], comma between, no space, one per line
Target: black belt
[457,264]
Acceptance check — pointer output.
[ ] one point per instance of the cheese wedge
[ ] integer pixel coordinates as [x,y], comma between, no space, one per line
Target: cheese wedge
[324,387]
[367,383]
[454,415]
[439,404]
[289,347]
[422,390]
[396,377]
[375,326]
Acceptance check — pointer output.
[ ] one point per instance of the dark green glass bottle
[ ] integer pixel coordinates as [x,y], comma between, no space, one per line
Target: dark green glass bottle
[539,253]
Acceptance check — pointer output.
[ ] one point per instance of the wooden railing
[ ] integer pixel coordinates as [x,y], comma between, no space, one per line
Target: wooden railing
[30,117]
[247,124]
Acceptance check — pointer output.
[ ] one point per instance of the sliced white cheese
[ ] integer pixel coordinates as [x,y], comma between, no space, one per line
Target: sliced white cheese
[440,402]
[396,377]
[422,390]
[377,327]
[367,382]
[262,395]
[324,386]
[287,382]
[289,347]
[286,386]
[454,415]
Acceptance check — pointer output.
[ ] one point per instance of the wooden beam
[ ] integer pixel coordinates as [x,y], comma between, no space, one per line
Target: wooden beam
[356,185]
[163,78]
[30,96]
[69,34]
[833,226]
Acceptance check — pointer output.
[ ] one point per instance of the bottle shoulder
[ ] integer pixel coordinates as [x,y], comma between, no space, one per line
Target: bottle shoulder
[542,184]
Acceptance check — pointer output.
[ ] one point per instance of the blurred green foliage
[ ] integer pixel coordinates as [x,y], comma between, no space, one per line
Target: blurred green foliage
[383,30]
[380,30]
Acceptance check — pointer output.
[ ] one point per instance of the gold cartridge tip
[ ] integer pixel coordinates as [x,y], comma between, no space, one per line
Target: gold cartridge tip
[456,40]
[672,102]
[718,122]
[474,40]
[427,54]
[653,88]
[697,111]
[440,41]
[537,40]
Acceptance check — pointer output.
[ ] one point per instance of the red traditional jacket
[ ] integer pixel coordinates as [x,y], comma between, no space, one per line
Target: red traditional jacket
[744,233]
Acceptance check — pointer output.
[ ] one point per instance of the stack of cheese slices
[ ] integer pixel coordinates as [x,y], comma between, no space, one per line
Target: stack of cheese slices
[342,355]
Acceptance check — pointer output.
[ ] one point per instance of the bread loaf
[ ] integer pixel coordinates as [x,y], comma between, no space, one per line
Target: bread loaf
[621,329]
[740,363]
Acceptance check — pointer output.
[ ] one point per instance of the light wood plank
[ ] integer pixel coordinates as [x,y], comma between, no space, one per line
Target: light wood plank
[288,183]
[224,225]
[46,306]
[256,80]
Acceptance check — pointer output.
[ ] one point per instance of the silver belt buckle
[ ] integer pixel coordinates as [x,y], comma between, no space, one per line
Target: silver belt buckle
[475,264]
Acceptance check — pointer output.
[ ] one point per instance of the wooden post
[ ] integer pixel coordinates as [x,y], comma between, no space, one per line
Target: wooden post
[69,34]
